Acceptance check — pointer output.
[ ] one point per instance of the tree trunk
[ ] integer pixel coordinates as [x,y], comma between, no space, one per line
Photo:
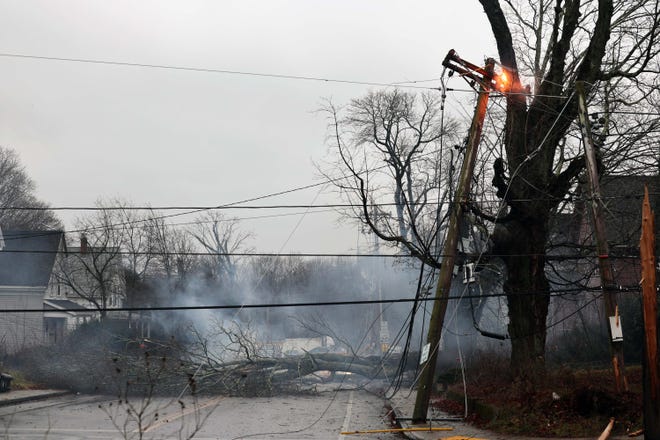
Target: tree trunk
[527,291]
[398,201]
[531,137]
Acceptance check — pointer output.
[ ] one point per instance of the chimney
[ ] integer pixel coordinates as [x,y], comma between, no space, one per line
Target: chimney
[83,244]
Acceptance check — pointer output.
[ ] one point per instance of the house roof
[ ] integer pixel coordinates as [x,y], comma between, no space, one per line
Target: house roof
[28,256]
[63,304]
[623,197]
[564,228]
[622,212]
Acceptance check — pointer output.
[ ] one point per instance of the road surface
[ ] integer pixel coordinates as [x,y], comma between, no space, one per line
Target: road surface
[321,416]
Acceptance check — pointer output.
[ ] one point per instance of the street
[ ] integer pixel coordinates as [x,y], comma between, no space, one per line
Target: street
[321,416]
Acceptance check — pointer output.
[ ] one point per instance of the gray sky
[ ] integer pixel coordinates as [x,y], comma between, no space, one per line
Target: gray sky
[172,137]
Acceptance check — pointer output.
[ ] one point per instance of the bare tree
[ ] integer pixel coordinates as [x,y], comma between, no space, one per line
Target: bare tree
[19,207]
[172,250]
[117,252]
[389,149]
[136,239]
[282,277]
[93,270]
[221,237]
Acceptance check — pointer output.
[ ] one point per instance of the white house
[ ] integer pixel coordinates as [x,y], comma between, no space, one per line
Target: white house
[26,266]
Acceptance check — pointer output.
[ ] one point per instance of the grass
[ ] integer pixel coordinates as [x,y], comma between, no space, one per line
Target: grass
[19,382]
[566,403]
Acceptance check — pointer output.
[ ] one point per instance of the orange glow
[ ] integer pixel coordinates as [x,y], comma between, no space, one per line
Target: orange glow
[503,83]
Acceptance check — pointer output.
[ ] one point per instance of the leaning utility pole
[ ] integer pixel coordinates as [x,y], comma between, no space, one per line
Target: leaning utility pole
[605,267]
[484,76]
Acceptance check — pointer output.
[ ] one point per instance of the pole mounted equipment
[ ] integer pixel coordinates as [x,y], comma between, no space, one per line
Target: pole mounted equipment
[486,77]
[488,81]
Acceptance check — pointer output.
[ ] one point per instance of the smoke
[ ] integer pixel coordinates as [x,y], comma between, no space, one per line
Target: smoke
[470,324]
[294,280]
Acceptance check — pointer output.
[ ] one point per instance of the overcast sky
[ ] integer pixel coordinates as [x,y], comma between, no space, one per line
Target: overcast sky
[172,137]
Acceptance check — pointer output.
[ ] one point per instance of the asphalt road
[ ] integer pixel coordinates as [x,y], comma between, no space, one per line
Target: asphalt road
[321,416]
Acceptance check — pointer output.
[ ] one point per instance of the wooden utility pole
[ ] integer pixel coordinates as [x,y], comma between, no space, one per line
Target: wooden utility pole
[484,76]
[604,265]
[650,305]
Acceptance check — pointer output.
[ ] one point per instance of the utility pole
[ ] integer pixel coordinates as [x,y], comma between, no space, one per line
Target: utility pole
[651,383]
[604,265]
[484,76]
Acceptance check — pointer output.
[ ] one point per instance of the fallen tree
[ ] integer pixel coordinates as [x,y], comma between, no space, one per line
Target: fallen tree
[267,376]
[228,361]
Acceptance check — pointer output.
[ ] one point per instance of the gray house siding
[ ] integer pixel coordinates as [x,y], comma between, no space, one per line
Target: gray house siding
[26,265]
[20,330]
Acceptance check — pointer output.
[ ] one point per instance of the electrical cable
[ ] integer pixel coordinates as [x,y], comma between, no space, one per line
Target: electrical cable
[207,70]
[462,363]
[236,206]
[115,252]
[390,352]
[406,347]
[421,342]
[628,289]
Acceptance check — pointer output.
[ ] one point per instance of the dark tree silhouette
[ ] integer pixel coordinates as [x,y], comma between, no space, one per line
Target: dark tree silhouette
[16,192]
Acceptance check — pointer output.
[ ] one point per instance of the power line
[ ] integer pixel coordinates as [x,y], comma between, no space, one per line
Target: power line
[398,84]
[196,210]
[622,112]
[234,206]
[199,210]
[300,304]
[211,70]
[108,250]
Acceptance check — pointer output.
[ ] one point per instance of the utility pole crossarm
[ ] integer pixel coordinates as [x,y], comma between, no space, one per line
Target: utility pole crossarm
[486,77]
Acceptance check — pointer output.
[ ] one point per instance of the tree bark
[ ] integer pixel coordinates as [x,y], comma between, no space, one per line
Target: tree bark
[527,291]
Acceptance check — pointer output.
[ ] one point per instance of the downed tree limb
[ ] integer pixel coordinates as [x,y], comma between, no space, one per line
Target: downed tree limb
[226,370]
[263,376]
[279,370]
